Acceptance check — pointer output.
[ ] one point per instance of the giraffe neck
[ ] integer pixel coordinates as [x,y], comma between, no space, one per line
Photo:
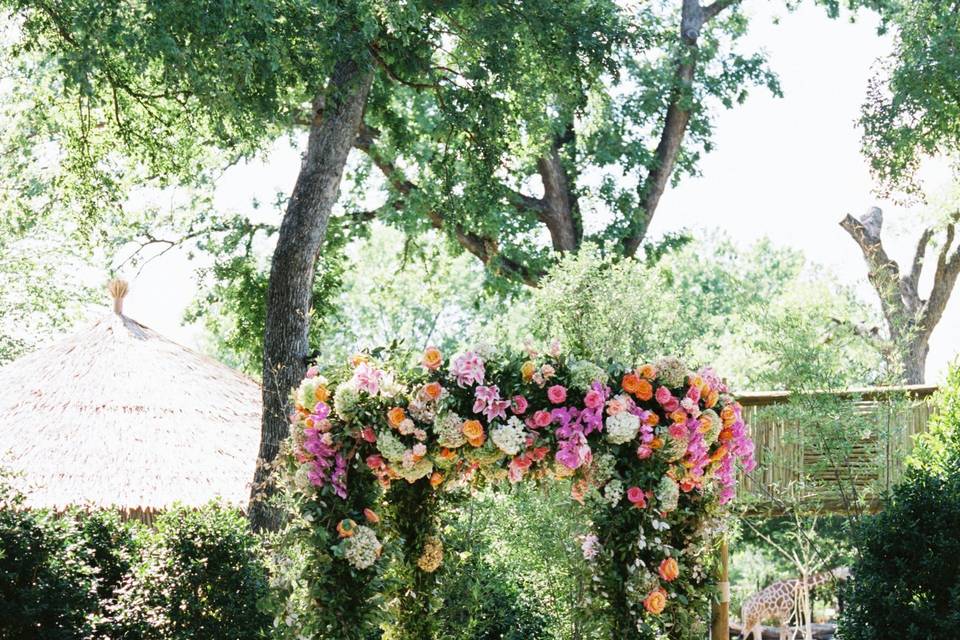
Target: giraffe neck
[818,579]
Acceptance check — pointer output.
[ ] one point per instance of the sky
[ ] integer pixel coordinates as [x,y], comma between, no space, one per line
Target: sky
[786,168]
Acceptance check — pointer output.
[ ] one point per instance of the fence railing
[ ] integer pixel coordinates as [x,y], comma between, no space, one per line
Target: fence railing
[798,464]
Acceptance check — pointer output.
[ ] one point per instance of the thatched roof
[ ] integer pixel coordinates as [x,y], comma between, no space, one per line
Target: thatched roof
[118,416]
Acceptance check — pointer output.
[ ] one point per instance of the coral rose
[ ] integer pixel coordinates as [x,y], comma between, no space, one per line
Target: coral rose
[519,405]
[542,418]
[432,358]
[371,516]
[644,390]
[669,570]
[656,601]
[432,390]
[636,496]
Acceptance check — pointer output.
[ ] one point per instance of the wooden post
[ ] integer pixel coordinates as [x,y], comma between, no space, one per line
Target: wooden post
[720,629]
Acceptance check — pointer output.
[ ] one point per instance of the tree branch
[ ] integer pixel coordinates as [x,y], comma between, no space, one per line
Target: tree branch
[884,273]
[559,214]
[692,19]
[486,248]
[944,279]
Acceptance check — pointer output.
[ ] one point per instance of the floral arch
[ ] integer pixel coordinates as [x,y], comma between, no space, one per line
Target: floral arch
[375,444]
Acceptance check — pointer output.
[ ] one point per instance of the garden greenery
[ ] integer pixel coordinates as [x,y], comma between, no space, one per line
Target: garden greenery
[378,446]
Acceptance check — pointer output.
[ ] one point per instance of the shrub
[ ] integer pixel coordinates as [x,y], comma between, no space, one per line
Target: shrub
[907,578]
[199,576]
[47,588]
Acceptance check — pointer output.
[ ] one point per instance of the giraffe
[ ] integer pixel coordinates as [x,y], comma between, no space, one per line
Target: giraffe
[778,601]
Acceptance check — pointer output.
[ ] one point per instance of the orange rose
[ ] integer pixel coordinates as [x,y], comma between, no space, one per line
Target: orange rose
[432,358]
[631,383]
[656,601]
[727,415]
[371,516]
[478,441]
[346,528]
[395,416]
[656,443]
[679,416]
[726,435]
[527,369]
[322,394]
[706,423]
[718,454]
[711,399]
[669,570]
[436,479]
[474,431]
[644,390]
[648,371]
[447,454]
[652,419]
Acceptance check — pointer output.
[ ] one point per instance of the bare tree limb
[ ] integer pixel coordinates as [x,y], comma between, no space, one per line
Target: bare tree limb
[944,279]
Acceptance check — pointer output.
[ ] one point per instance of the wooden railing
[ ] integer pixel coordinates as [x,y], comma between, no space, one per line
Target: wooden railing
[796,468]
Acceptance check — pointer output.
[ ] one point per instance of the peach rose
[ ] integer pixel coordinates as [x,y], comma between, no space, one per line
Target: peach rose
[371,516]
[395,416]
[647,371]
[712,398]
[669,570]
[436,479]
[432,390]
[322,394]
[656,601]
[473,430]
[644,390]
[432,358]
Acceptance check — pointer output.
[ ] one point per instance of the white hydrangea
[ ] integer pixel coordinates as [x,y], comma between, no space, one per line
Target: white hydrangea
[613,492]
[345,400]
[363,548]
[509,437]
[449,429]
[604,466]
[668,494]
[622,427]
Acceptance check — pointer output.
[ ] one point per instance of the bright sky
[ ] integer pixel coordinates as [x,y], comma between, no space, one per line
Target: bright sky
[787,168]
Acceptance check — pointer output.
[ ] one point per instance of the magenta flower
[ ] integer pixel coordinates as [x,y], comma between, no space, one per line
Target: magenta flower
[636,496]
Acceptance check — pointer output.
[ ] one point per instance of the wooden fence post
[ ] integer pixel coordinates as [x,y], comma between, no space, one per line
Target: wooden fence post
[720,628]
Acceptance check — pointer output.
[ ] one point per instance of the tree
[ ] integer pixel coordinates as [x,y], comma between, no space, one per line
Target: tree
[913,103]
[910,319]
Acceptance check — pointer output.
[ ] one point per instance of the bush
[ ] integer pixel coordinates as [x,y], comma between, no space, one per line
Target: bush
[199,576]
[907,578]
[47,587]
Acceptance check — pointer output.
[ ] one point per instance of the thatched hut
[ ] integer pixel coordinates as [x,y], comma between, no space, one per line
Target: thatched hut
[116,416]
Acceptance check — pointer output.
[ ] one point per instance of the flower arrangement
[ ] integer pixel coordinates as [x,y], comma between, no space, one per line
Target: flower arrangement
[654,448]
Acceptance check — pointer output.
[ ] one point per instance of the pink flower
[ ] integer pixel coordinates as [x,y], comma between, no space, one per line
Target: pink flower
[663,395]
[635,495]
[557,394]
[593,399]
[615,406]
[368,434]
[678,431]
[520,405]
[542,418]
[375,461]
[644,451]
[312,372]
[467,369]
[489,403]
[367,378]
[694,393]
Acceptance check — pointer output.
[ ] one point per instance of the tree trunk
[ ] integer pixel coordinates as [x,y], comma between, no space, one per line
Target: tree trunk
[336,119]
[915,361]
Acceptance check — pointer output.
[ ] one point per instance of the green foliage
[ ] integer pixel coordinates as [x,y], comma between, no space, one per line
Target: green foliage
[47,587]
[913,103]
[939,448]
[709,301]
[907,576]
[199,576]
